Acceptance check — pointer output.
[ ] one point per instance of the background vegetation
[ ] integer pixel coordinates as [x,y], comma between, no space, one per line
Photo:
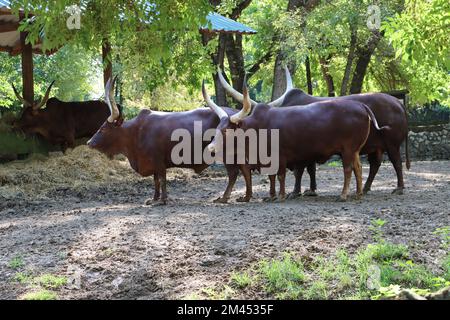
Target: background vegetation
[160,55]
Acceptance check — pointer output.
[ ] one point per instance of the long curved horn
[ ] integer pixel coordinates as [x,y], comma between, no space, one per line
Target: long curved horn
[21,99]
[45,99]
[110,100]
[214,107]
[246,105]
[289,86]
[230,90]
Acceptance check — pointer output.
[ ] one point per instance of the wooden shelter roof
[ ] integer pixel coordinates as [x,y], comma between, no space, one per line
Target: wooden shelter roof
[9,33]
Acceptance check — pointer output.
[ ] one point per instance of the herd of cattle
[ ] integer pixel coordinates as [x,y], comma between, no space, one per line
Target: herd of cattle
[311,130]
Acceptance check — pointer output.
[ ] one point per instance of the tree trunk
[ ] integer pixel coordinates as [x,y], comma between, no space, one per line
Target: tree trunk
[235,58]
[324,65]
[350,58]
[279,81]
[27,70]
[364,55]
[217,59]
[308,75]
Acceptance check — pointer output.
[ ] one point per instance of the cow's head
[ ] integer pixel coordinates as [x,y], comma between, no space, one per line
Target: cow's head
[108,138]
[226,122]
[32,116]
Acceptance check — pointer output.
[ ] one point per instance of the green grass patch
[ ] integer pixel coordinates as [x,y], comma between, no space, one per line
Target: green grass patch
[16,263]
[335,164]
[241,280]
[40,295]
[49,281]
[377,271]
[283,277]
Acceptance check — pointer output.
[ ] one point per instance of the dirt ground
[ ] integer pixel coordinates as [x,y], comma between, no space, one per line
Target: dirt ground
[110,246]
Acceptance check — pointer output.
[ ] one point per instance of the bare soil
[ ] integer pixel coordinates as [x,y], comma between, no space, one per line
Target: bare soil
[102,237]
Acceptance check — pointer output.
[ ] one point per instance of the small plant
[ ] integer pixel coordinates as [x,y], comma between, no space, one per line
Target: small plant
[22,277]
[282,274]
[335,164]
[49,281]
[376,229]
[317,291]
[224,293]
[40,295]
[241,280]
[16,263]
[444,233]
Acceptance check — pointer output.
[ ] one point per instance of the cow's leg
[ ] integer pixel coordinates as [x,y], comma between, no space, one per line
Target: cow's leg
[375,160]
[396,159]
[357,170]
[282,181]
[347,161]
[246,172]
[298,174]
[157,194]
[312,178]
[272,192]
[164,198]
[233,172]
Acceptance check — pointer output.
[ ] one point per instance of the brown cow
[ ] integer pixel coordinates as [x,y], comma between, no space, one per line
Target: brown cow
[60,122]
[388,110]
[343,128]
[147,142]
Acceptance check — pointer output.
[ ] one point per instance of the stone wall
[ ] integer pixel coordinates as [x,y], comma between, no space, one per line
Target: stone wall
[430,142]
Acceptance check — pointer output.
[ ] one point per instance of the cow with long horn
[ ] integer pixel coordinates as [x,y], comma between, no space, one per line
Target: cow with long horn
[60,123]
[343,128]
[388,110]
[146,141]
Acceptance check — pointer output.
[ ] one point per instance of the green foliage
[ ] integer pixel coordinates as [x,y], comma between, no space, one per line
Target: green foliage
[377,271]
[23,277]
[241,280]
[335,164]
[40,295]
[444,233]
[376,229]
[282,277]
[16,263]
[49,281]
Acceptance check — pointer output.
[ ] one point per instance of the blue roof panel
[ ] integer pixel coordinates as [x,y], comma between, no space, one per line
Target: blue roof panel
[5,3]
[220,23]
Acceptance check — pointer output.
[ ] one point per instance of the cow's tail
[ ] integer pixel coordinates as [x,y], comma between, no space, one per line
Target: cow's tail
[408,161]
[374,120]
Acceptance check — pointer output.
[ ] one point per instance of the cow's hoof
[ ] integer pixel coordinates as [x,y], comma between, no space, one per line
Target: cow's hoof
[159,203]
[280,199]
[150,201]
[221,200]
[341,199]
[358,196]
[366,191]
[243,199]
[398,191]
[310,193]
[294,195]
[270,199]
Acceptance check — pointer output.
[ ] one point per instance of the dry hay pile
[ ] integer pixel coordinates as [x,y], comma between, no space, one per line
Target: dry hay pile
[78,169]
